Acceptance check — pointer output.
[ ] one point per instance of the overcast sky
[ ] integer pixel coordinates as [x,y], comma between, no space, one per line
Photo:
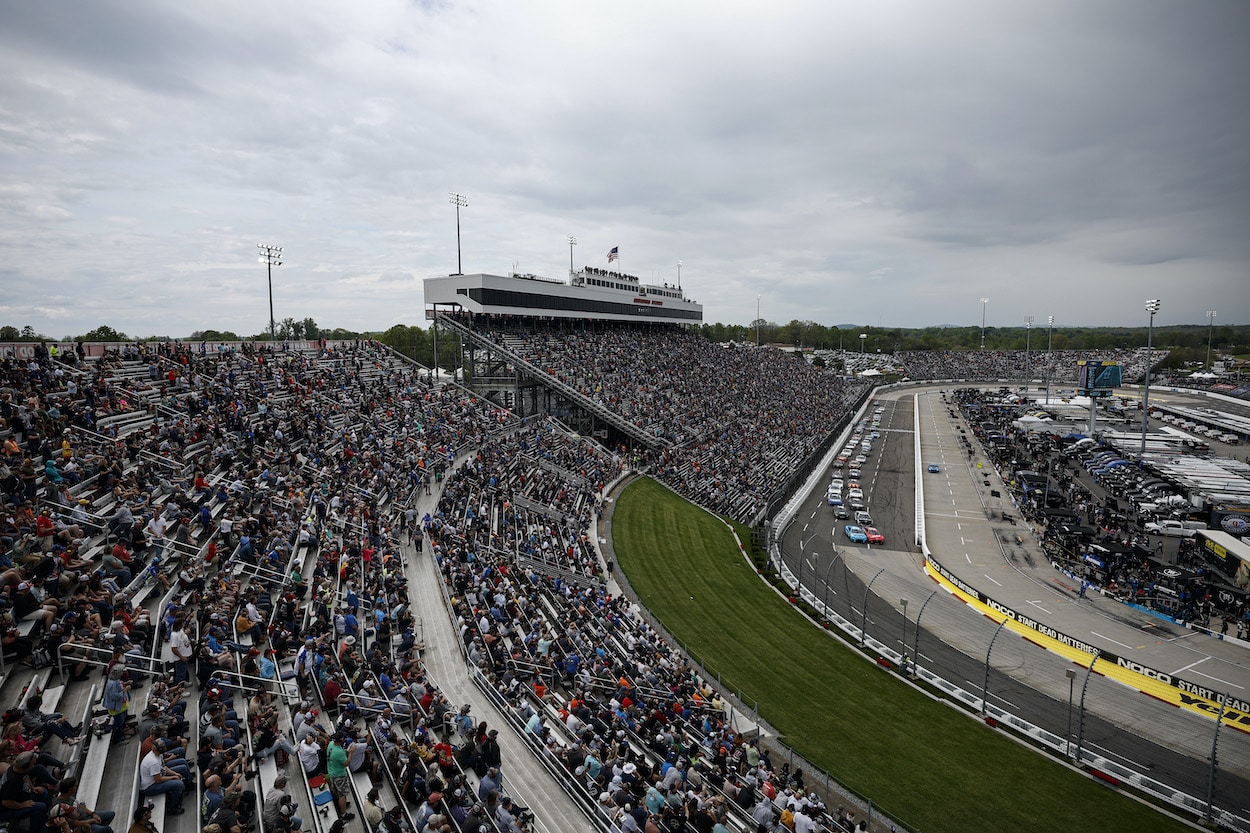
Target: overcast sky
[884,163]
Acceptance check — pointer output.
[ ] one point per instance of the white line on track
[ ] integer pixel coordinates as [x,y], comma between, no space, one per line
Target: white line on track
[1109,639]
[1036,605]
[968,557]
[1191,665]
[1218,680]
[999,583]
[1106,751]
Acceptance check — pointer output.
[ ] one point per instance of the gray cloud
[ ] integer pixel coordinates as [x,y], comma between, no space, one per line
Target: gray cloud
[877,162]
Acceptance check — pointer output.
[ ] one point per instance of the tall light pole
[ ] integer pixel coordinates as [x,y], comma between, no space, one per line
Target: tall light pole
[862,338]
[757,321]
[984,301]
[1210,335]
[271,256]
[1050,330]
[679,274]
[572,243]
[459,201]
[1028,331]
[1152,306]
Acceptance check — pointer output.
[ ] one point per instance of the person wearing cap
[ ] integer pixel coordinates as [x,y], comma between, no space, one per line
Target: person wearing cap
[490,782]
[309,753]
[277,802]
[82,818]
[505,817]
[373,808]
[19,797]
[116,701]
[156,778]
[142,820]
[43,725]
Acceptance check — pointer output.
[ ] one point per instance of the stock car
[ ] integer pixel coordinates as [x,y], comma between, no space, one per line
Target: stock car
[874,537]
[855,534]
[934,468]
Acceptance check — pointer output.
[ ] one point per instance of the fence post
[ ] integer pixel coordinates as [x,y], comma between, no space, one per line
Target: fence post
[1215,739]
[985,687]
[863,624]
[837,554]
[915,645]
[1080,715]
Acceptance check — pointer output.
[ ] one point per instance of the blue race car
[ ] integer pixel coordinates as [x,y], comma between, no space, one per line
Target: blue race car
[934,468]
[856,534]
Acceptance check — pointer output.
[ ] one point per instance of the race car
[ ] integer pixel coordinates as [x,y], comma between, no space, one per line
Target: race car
[873,536]
[856,534]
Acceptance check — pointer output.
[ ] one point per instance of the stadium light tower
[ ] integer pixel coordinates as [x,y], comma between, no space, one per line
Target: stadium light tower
[679,274]
[459,201]
[271,256]
[1152,306]
[1028,331]
[757,321]
[1210,335]
[1050,330]
[572,243]
[984,301]
[862,338]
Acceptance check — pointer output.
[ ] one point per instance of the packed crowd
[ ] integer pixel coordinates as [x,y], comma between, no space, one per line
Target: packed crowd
[735,421]
[994,365]
[642,736]
[196,527]
[240,466]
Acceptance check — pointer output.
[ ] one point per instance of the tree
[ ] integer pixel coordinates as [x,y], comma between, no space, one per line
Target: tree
[311,331]
[412,342]
[214,335]
[103,333]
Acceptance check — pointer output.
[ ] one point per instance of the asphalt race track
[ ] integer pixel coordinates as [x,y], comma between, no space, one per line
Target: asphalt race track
[964,532]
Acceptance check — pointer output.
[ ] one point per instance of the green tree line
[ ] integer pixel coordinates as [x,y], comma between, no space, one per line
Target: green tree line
[1187,343]
[1186,339]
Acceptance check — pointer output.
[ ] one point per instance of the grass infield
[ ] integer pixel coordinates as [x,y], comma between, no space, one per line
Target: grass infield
[924,763]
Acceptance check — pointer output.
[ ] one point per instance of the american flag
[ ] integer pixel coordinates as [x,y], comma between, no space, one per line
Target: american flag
[615,254]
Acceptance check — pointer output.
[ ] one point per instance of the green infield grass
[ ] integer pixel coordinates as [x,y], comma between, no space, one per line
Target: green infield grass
[929,766]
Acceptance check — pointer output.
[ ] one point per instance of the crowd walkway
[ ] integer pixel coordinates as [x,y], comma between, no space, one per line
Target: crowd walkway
[443,660]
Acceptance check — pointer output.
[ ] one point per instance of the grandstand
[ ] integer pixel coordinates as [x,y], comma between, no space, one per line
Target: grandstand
[231,535]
